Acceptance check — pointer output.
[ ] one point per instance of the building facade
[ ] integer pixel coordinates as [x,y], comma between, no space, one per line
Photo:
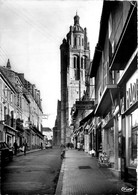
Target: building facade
[116,72]
[21,111]
[75,60]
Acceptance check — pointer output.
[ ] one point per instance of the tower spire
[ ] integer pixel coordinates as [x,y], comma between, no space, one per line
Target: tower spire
[76,19]
[8,64]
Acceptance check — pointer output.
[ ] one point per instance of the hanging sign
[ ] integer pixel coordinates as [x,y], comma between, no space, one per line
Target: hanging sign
[84,105]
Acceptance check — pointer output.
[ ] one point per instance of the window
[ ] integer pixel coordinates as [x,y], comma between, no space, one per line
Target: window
[75,62]
[11,98]
[82,63]
[5,92]
[75,41]
[133,158]
[77,67]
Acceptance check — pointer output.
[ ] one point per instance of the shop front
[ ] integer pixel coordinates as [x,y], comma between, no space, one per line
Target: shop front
[10,135]
[108,136]
[131,124]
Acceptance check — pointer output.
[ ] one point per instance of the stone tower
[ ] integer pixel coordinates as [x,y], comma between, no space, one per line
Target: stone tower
[75,61]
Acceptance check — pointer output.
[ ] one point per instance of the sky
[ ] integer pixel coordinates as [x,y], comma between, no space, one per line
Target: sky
[31,32]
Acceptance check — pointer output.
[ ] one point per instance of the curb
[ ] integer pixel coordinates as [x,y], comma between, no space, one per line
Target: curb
[60,179]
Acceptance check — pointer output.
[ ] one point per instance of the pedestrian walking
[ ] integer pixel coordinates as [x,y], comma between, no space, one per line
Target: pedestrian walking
[78,145]
[15,145]
[41,146]
[25,147]
[63,149]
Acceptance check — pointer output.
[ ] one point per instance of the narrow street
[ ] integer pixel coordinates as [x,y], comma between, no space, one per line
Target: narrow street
[35,173]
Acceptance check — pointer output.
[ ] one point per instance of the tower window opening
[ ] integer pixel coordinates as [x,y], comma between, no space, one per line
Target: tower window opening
[81,63]
[75,62]
[75,41]
[78,69]
[79,41]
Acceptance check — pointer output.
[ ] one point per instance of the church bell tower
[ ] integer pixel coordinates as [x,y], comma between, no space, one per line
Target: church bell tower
[75,61]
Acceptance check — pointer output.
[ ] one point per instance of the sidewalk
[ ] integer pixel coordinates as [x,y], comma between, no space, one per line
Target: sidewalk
[28,151]
[80,175]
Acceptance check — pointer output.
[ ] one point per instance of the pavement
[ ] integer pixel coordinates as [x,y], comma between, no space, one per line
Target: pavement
[81,175]
[27,152]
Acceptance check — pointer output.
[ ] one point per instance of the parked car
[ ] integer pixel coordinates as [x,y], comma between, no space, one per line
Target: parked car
[48,145]
[6,152]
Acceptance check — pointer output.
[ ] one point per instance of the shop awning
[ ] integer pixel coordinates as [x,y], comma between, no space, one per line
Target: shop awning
[130,68]
[87,118]
[106,101]
[109,124]
[131,109]
[127,42]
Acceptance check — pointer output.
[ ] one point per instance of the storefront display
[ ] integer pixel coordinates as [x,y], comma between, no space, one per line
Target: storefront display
[133,143]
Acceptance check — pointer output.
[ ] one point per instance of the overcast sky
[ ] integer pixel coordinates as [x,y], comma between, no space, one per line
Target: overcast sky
[31,32]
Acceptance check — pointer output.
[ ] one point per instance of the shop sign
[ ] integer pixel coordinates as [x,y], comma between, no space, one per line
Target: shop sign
[132,93]
[84,105]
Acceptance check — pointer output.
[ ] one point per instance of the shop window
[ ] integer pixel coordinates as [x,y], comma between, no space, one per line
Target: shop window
[133,160]
[134,138]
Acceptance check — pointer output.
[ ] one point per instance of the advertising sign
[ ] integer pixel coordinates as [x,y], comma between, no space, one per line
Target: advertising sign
[132,90]
[84,105]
